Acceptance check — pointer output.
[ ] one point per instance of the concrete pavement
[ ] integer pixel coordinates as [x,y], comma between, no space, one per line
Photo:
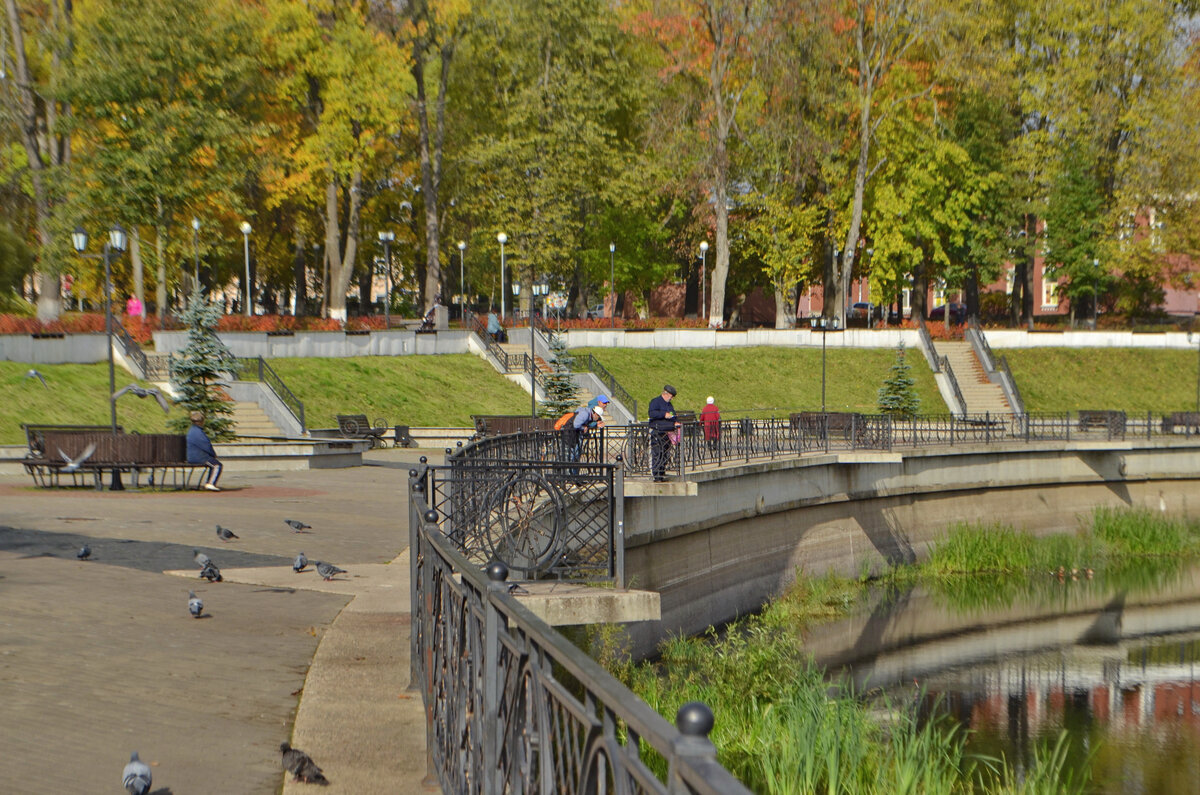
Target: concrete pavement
[100,657]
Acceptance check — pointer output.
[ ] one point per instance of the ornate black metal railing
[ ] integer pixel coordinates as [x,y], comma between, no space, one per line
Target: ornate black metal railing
[591,364]
[255,368]
[133,351]
[512,706]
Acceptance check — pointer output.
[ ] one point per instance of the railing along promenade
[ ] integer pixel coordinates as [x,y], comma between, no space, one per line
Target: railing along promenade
[511,705]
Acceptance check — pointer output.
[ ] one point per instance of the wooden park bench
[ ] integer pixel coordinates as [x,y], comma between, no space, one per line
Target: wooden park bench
[1111,421]
[355,426]
[501,424]
[162,457]
[1186,421]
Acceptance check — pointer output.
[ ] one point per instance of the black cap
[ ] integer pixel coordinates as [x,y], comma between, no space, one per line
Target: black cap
[669,388]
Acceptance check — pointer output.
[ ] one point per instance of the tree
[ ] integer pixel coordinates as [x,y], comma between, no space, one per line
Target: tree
[37,114]
[897,396]
[161,94]
[561,393]
[197,374]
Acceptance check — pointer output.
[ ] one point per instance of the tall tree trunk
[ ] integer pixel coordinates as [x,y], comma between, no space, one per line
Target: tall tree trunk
[138,267]
[430,146]
[299,255]
[160,267]
[49,302]
[785,308]
[341,265]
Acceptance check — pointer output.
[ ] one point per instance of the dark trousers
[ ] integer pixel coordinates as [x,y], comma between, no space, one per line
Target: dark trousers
[660,453]
[572,446]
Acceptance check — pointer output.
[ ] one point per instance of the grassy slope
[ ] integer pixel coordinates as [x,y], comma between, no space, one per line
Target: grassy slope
[77,395]
[1136,380]
[786,379]
[407,390]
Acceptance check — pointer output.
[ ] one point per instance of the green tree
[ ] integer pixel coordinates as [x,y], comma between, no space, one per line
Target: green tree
[198,372]
[897,396]
[561,393]
[162,96]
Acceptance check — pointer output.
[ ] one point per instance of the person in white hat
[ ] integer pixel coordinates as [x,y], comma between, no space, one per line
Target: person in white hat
[586,418]
[710,418]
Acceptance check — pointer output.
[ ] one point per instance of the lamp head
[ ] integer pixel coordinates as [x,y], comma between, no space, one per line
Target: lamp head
[703,246]
[516,288]
[462,244]
[386,236]
[117,239]
[612,247]
[79,239]
[245,227]
[196,224]
[502,238]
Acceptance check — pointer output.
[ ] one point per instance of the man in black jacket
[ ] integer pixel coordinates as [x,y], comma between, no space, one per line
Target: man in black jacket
[662,422]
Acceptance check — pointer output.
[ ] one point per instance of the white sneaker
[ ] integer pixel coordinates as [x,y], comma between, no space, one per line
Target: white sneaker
[211,487]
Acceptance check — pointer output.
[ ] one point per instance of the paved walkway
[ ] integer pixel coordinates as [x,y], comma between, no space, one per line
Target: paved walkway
[100,657]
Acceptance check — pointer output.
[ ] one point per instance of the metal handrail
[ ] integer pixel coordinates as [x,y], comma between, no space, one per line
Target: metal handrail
[496,681]
[980,344]
[1010,383]
[263,373]
[927,345]
[949,372]
[514,363]
[130,346]
[592,365]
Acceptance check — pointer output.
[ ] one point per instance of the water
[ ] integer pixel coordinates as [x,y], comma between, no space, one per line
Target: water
[1114,661]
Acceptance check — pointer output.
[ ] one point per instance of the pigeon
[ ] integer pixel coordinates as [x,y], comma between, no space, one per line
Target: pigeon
[201,559]
[211,573]
[515,588]
[142,392]
[136,776]
[84,553]
[297,526]
[299,564]
[225,533]
[74,464]
[38,376]
[195,606]
[327,570]
[301,765]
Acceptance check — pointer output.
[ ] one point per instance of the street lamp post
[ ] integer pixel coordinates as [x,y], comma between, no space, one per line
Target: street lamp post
[462,287]
[117,240]
[703,256]
[824,324]
[245,227]
[502,239]
[196,251]
[386,238]
[612,284]
[1189,338]
[1095,292]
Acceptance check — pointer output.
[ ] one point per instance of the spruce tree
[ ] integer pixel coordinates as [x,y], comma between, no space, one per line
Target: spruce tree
[897,396]
[561,393]
[197,373]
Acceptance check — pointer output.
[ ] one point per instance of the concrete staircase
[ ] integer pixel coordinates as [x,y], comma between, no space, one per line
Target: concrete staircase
[515,349]
[250,420]
[980,395]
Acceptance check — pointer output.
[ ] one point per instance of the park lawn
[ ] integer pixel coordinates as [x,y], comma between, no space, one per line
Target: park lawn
[75,394]
[438,391]
[1135,380]
[765,379]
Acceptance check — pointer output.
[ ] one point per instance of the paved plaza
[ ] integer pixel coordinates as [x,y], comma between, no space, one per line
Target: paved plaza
[100,657]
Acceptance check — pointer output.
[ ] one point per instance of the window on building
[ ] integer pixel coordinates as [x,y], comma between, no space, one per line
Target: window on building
[1049,291]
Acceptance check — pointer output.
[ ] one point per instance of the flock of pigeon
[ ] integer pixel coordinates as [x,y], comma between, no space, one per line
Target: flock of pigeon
[136,777]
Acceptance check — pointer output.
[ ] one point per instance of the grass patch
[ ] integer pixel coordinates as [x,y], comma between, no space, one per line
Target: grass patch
[409,390]
[1134,380]
[77,395]
[763,378]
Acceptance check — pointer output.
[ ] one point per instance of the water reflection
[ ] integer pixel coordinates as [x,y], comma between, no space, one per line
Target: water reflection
[1112,663]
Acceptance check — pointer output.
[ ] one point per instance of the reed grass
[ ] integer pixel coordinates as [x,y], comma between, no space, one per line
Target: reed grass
[783,728]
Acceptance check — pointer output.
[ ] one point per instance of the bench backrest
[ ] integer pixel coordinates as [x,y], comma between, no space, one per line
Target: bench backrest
[124,448]
[35,434]
[501,424]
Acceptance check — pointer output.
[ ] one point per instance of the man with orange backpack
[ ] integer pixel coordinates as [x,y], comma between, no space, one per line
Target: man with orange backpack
[574,428]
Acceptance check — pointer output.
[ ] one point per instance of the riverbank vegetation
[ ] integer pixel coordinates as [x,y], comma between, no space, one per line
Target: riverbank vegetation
[783,726]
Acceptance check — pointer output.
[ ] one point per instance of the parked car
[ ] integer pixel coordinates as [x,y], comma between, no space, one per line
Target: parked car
[864,309]
[958,312]
[595,311]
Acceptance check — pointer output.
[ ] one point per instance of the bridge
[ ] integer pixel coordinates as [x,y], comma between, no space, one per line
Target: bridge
[513,706]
